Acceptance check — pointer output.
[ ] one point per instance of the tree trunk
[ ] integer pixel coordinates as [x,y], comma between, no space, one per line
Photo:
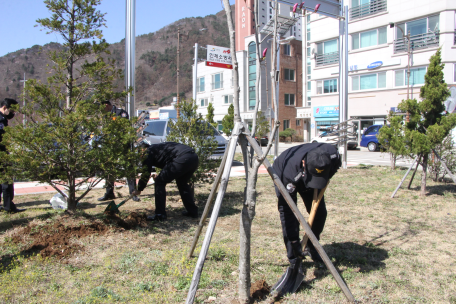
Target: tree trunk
[424,175]
[247,215]
[71,199]
[393,161]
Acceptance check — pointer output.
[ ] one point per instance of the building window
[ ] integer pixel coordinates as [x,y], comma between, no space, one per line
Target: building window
[298,122]
[204,102]
[424,33]
[362,8]
[287,49]
[286,124]
[289,99]
[252,75]
[327,86]
[368,82]
[454,72]
[416,77]
[369,38]
[217,81]
[227,99]
[219,125]
[327,53]
[417,27]
[200,85]
[289,74]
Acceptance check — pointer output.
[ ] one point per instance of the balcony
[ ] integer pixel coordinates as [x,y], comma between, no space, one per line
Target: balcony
[417,42]
[326,59]
[371,8]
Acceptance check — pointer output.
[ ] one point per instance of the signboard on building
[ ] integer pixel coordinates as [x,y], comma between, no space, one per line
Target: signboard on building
[375,65]
[164,115]
[219,57]
[326,111]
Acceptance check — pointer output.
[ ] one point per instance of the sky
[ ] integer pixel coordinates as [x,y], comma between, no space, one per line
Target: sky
[18,31]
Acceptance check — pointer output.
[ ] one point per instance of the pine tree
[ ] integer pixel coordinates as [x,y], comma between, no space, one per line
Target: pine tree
[192,130]
[262,125]
[63,113]
[210,115]
[228,121]
[391,137]
[428,125]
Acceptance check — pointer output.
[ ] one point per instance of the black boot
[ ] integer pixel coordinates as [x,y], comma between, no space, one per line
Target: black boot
[290,280]
[107,197]
[135,198]
[192,215]
[157,217]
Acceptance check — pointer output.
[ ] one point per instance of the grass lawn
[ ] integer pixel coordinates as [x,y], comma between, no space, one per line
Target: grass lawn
[397,250]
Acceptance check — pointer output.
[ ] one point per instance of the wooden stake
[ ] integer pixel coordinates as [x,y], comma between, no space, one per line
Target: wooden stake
[211,227]
[209,201]
[403,179]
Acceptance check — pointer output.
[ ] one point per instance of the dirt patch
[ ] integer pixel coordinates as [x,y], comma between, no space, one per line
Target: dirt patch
[57,239]
[130,222]
[259,290]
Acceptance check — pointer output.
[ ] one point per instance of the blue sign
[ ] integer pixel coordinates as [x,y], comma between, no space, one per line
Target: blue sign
[312,126]
[375,65]
[326,111]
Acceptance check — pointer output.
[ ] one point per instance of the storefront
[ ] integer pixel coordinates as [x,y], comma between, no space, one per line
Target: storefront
[324,117]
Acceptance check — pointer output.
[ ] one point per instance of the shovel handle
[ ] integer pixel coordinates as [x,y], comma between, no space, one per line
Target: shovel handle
[125,200]
[313,212]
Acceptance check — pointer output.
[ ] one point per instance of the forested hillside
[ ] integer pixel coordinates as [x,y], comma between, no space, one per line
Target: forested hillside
[156,59]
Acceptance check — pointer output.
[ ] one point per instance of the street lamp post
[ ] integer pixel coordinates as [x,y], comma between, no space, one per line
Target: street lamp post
[177,99]
[407,117]
[24,120]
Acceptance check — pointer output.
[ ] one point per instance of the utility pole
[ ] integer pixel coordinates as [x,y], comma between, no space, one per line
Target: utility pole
[130,21]
[178,38]
[24,120]
[407,117]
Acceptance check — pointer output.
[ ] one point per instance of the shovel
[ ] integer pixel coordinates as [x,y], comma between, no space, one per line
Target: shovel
[113,208]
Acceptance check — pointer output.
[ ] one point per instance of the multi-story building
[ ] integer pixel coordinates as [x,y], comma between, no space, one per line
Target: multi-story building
[215,84]
[377,58]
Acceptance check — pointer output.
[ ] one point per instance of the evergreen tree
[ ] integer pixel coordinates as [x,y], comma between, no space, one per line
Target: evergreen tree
[210,115]
[391,137]
[228,121]
[262,128]
[63,113]
[192,130]
[428,125]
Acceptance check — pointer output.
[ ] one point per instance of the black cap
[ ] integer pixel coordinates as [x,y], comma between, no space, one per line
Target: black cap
[9,102]
[318,165]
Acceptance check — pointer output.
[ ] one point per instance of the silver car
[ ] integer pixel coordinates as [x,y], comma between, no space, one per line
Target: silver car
[157,131]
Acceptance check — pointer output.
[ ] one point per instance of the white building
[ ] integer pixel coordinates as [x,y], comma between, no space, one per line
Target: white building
[214,85]
[377,57]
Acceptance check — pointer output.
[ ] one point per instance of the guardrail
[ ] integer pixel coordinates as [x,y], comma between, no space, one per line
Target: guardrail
[373,7]
[420,41]
[325,59]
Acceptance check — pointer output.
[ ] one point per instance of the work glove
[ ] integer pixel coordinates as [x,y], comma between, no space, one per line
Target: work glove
[297,249]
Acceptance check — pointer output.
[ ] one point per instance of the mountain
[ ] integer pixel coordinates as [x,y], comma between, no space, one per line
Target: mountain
[155,54]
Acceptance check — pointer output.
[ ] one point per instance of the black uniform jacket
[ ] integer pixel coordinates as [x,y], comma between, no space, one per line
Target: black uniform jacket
[159,155]
[3,124]
[288,165]
[120,112]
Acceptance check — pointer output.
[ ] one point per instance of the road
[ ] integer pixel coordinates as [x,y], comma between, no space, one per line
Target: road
[354,157]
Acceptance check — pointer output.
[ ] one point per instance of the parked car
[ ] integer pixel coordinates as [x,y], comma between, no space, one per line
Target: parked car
[332,138]
[369,138]
[157,130]
[263,141]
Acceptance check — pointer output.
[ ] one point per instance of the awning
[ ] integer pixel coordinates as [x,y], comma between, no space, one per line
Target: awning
[327,119]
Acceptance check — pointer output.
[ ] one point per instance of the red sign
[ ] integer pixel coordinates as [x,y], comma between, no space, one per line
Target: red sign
[219,65]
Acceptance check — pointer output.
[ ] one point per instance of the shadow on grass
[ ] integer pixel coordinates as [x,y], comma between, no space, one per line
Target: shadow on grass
[366,257]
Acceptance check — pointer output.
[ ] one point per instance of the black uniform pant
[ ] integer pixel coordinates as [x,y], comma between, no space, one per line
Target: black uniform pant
[8,195]
[110,186]
[290,224]
[181,170]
